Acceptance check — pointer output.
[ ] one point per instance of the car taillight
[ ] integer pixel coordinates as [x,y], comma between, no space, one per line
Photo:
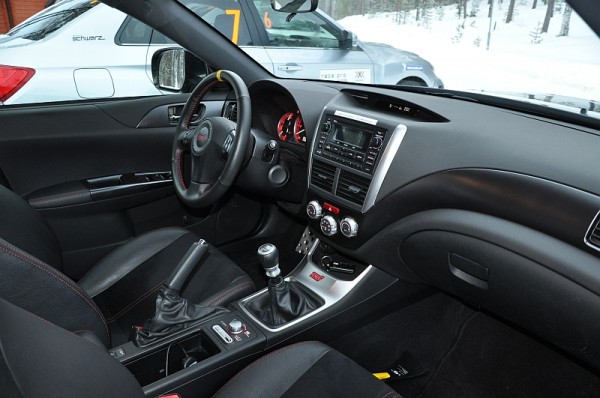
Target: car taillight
[12,78]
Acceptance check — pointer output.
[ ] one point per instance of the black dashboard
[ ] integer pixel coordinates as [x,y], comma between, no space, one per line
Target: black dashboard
[499,209]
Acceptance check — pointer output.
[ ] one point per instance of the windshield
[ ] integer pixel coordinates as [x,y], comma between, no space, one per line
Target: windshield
[51,19]
[539,51]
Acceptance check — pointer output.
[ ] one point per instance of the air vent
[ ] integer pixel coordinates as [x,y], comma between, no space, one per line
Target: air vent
[322,175]
[352,187]
[231,111]
[592,238]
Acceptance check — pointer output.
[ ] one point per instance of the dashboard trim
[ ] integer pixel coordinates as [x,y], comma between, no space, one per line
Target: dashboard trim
[387,157]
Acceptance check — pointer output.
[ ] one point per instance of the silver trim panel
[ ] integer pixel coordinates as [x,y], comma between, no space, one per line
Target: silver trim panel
[330,289]
[387,157]
[589,232]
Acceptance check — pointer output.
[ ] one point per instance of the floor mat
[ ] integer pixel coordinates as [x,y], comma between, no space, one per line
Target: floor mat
[468,354]
[492,359]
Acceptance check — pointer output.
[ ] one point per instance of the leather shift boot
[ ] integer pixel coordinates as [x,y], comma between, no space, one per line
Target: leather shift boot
[284,302]
[173,313]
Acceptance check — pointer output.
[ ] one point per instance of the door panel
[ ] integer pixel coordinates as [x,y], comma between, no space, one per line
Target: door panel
[63,157]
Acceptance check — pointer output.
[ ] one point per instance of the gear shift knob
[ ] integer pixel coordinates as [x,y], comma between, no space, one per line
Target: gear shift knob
[268,255]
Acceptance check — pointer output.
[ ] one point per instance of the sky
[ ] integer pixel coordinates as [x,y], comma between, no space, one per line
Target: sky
[568,66]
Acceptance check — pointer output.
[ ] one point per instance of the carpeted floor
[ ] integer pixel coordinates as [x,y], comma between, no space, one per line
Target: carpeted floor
[467,354]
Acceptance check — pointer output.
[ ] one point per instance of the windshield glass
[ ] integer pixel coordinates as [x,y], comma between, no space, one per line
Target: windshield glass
[540,51]
[51,19]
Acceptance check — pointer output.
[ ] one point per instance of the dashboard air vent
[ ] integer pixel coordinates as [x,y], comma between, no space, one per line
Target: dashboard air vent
[231,111]
[322,175]
[353,187]
[593,236]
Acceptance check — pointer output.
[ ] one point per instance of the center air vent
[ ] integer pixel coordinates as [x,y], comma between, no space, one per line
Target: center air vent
[322,175]
[230,112]
[592,238]
[353,187]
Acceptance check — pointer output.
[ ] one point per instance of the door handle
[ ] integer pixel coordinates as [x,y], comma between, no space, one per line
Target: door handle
[290,67]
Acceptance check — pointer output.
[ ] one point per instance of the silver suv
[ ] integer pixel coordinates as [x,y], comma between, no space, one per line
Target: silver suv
[74,38]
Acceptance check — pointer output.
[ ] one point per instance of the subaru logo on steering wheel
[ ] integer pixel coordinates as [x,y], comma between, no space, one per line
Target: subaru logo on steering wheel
[203,136]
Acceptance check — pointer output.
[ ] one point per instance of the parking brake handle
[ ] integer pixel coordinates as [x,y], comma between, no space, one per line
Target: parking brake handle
[187,264]
[173,312]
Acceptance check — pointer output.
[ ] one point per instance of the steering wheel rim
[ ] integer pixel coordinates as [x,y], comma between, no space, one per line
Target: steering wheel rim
[211,175]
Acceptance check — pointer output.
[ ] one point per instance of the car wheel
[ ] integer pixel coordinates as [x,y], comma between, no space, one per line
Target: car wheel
[412,81]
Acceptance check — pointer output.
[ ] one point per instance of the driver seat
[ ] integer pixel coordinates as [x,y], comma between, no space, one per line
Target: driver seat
[119,291]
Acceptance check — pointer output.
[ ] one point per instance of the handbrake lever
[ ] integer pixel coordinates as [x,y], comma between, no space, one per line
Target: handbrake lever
[187,264]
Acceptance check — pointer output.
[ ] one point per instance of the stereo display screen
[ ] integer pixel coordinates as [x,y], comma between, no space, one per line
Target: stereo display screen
[351,136]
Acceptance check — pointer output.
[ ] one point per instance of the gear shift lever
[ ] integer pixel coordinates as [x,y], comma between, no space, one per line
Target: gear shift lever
[268,255]
[285,301]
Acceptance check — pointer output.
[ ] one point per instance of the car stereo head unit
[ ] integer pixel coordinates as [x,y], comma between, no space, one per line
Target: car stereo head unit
[351,144]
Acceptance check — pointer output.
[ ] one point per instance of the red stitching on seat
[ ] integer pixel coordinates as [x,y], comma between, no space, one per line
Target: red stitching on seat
[231,291]
[135,302]
[15,252]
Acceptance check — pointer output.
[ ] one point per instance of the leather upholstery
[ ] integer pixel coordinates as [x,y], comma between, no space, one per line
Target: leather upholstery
[126,258]
[117,293]
[129,298]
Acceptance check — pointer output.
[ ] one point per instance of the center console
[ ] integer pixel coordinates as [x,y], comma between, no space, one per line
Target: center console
[350,157]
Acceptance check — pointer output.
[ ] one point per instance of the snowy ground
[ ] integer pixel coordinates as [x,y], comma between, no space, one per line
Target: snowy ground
[558,65]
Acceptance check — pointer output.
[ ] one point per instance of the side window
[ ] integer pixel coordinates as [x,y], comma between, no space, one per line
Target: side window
[133,32]
[303,30]
[223,15]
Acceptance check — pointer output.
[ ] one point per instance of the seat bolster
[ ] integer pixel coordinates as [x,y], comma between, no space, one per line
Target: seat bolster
[126,258]
[308,369]
[273,374]
[39,288]
[39,359]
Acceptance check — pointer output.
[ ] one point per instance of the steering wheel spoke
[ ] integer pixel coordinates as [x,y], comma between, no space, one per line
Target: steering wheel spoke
[185,137]
[217,145]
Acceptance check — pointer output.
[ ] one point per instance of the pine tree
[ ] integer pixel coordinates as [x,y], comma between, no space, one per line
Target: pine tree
[536,34]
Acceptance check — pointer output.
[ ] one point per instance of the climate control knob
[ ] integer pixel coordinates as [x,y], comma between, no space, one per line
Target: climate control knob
[329,225]
[314,210]
[349,227]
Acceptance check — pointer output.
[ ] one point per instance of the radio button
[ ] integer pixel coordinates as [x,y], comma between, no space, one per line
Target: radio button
[335,149]
[328,147]
[327,126]
[359,157]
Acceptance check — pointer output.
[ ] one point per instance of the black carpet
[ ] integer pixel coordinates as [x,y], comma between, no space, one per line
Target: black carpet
[468,354]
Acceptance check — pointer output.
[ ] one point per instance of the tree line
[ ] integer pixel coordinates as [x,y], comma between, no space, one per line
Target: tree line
[424,9]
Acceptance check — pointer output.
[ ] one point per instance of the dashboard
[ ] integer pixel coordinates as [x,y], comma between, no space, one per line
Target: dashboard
[493,205]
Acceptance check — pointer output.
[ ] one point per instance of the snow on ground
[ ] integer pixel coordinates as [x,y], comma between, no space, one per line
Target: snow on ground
[558,65]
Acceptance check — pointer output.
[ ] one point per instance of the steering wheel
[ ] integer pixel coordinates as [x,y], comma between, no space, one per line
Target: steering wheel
[217,145]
